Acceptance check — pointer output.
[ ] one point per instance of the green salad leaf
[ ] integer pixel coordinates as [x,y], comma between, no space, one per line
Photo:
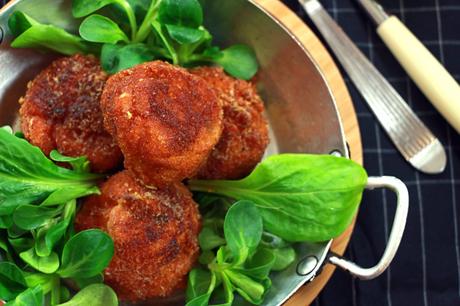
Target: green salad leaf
[30,217]
[28,177]
[238,264]
[259,265]
[284,257]
[169,30]
[20,22]
[119,57]
[82,8]
[48,264]
[30,297]
[239,61]
[12,280]
[184,35]
[86,254]
[79,164]
[251,290]
[209,239]
[300,197]
[21,244]
[85,282]
[201,283]
[186,13]
[98,28]
[94,295]
[38,203]
[32,34]
[243,230]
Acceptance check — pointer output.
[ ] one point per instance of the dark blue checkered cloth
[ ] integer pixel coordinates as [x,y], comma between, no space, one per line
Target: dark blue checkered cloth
[426,270]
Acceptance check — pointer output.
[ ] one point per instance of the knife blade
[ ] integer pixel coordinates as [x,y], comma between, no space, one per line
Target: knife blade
[408,133]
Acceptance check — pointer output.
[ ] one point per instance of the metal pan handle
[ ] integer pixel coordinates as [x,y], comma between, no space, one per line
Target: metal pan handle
[397,230]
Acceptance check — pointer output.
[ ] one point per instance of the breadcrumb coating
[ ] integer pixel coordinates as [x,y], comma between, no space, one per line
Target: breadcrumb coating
[165,120]
[155,234]
[61,111]
[245,130]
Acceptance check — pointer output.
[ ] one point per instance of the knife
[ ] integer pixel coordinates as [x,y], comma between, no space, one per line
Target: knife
[411,137]
[424,69]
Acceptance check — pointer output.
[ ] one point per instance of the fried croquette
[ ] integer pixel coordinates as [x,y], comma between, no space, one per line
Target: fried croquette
[245,129]
[61,111]
[165,120]
[155,234]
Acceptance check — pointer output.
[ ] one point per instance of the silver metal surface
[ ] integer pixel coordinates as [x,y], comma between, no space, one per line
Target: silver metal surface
[412,138]
[399,223]
[374,10]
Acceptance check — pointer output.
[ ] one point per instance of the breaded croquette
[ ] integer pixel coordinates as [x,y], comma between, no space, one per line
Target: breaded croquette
[245,132]
[61,111]
[165,120]
[155,234]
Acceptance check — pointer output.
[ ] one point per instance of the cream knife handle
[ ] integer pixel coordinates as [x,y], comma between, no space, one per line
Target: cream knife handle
[426,71]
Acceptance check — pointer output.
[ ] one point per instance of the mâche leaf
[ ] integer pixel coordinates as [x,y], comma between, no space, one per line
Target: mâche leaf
[283,258]
[48,264]
[81,8]
[27,176]
[49,235]
[301,197]
[21,244]
[97,28]
[169,30]
[32,34]
[79,164]
[30,297]
[19,22]
[50,37]
[201,283]
[30,217]
[224,294]
[94,295]
[12,281]
[251,290]
[243,230]
[209,239]
[85,282]
[259,266]
[239,61]
[184,35]
[186,13]
[115,58]
[86,254]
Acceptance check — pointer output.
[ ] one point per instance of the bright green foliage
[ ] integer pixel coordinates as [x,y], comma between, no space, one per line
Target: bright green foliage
[38,244]
[300,197]
[132,32]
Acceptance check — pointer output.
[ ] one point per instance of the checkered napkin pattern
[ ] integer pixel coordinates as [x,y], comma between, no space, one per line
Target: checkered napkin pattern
[426,270]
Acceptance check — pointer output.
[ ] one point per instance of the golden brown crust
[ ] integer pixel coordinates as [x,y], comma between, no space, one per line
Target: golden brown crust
[61,111]
[245,132]
[165,120]
[155,233]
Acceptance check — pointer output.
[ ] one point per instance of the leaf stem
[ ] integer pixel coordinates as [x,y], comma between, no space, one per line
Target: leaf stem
[131,17]
[164,39]
[56,292]
[207,186]
[145,28]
